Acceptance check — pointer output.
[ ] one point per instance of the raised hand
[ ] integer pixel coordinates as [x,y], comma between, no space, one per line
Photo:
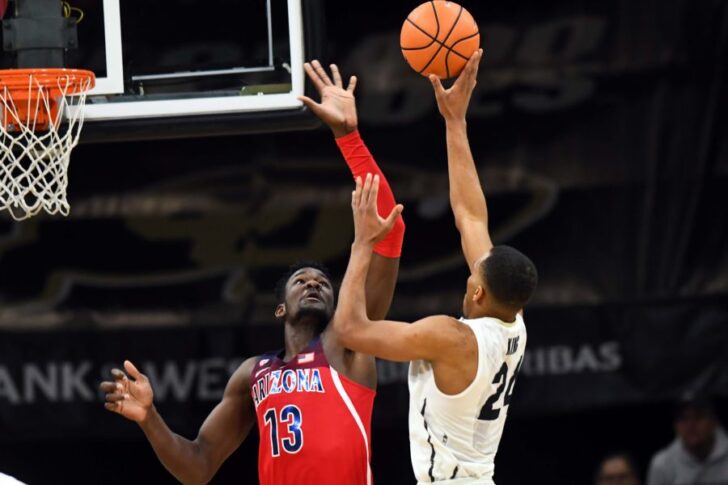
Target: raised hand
[453,103]
[130,398]
[337,107]
[369,226]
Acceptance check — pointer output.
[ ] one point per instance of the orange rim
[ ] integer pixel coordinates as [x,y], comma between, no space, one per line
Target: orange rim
[25,88]
[18,80]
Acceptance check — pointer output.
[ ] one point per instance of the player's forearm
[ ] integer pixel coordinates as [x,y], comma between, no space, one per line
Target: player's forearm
[466,194]
[351,309]
[180,456]
[380,284]
[361,162]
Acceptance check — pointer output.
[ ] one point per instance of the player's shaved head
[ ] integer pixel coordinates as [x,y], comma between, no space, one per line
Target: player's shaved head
[510,276]
[280,290]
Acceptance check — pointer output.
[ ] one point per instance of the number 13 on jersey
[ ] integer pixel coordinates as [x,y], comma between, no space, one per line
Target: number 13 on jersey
[292,439]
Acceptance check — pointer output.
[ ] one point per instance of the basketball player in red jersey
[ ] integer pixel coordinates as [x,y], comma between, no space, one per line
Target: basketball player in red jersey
[313,399]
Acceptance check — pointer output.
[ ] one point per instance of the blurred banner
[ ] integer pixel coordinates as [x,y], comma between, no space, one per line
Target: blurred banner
[576,359]
[598,138]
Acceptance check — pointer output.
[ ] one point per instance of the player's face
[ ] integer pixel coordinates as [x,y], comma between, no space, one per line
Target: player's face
[309,293]
[695,427]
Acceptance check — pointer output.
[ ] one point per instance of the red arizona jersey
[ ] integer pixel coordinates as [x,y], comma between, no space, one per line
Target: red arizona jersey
[314,423]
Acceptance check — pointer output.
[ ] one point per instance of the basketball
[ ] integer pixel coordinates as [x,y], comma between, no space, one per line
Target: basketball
[438,38]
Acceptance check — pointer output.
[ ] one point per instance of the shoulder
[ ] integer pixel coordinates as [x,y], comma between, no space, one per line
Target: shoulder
[461,328]
[443,321]
[450,333]
[663,459]
[241,378]
[443,327]
[456,328]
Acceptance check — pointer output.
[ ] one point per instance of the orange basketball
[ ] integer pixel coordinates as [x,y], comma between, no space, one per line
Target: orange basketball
[438,38]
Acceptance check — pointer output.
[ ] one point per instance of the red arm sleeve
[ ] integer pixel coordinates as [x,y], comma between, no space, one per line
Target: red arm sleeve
[361,162]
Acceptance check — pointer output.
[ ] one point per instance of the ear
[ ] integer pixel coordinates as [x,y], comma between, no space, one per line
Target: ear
[479,294]
[280,310]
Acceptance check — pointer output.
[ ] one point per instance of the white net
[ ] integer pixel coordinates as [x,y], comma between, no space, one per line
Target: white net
[36,143]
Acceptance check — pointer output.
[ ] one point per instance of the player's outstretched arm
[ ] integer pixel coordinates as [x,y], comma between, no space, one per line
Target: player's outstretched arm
[466,193]
[190,461]
[338,110]
[430,338]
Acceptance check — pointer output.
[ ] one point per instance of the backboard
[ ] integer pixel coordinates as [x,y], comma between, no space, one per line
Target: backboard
[180,68]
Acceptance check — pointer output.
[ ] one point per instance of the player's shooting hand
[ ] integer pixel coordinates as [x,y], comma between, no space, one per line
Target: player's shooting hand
[337,107]
[453,103]
[369,226]
[130,398]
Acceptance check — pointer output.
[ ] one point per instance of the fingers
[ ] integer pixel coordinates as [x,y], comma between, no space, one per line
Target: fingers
[352,84]
[470,72]
[311,104]
[475,62]
[314,77]
[336,75]
[472,66]
[365,192]
[366,195]
[134,372]
[437,85]
[374,193]
[115,397]
[357,193]
[110,387]
[321,72]
[118,375]
[115,407]
[392,218]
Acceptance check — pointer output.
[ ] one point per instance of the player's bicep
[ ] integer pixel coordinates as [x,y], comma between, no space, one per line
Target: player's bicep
[401,342]
[232,419]
[475,239]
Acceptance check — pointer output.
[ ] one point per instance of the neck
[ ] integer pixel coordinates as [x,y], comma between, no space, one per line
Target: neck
[506,316]
[297,336]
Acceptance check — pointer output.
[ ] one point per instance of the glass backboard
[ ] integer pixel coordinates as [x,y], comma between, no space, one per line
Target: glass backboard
[170,68]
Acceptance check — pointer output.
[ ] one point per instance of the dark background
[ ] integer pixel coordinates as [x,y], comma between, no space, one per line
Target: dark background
[600,132]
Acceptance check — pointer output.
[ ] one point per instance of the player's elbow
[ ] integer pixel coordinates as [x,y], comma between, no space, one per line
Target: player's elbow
[345,326]
[465,217]
[199,469]
[341,325]
[198,480]
[460,211]
[194,476]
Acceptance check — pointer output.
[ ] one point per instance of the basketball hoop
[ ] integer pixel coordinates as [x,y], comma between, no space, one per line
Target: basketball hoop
[35,143]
